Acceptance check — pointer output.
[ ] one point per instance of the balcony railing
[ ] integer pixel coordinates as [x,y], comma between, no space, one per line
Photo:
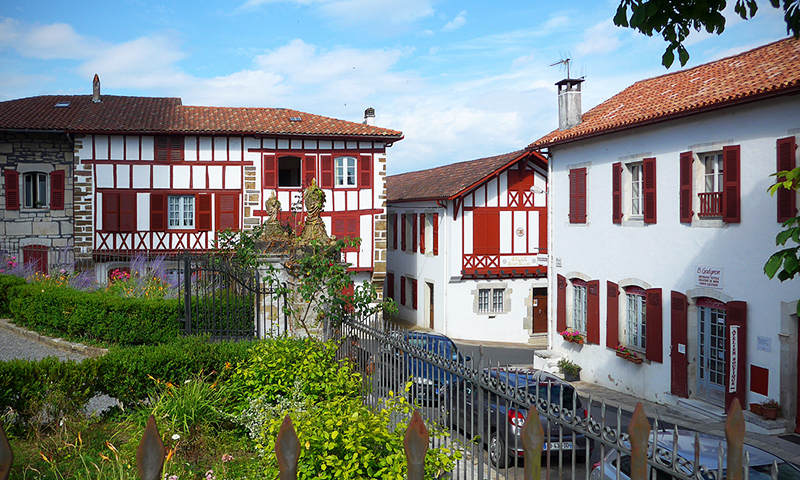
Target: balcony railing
[710,204]
[505,265]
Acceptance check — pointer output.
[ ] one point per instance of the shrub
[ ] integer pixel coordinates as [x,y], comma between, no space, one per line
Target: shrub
[6,282]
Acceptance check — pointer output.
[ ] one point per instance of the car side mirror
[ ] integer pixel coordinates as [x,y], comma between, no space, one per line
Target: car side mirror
[467,358]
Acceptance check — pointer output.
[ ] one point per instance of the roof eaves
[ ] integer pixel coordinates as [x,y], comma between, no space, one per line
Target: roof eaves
[493,174]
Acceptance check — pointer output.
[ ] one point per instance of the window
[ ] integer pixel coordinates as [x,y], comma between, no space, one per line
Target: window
[490,300]
[289,171]
[345,174]
[390,285]
[716,181]
[711,197]
[579,305]
[181,211]
[634,191]
[169,148]
[119,212]
[348,228]
[34,185]
[577,195]
[636,317]
[635,170]
[486,232]
[392,224]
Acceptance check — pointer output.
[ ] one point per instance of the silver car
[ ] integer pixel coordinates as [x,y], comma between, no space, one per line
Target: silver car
[760,461]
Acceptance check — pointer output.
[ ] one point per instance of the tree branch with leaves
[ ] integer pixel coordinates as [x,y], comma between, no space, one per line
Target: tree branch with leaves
[785,263]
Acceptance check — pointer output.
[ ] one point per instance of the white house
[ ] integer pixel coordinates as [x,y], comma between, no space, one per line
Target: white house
[467,250]
[661,225]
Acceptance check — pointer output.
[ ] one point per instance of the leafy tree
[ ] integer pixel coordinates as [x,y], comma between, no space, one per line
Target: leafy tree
[786,263]
[673,19]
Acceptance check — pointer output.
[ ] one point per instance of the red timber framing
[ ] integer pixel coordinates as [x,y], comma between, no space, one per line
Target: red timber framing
[512,187]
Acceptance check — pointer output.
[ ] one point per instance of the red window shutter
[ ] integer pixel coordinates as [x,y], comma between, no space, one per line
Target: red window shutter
[111,212]
[228,211]
[162,148]
[394,232]
[649,189]
[486,232]
[421,233]
[403,232]
[204,211]
[735,320]
[326,162]
[513,182]
[127,212]
[561,303]
[435,236]
[57,189]
[731,190]
[593,312]
[577,195]
[655,334]
[414,293]
[787,199]
[12,189]
[402,290]
[270,171]
[158,212]
[346,227]
[175,148]
[686,178]
[365,171]
[612,315]
[390,285]
[309,169]
[679,362]
[616,193]
[414,232]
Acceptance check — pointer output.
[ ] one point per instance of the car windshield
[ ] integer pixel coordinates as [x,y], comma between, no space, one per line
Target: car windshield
[786,471]
[436,345]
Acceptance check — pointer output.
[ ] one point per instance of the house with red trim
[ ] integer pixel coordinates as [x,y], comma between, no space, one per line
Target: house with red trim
[106,176]
[467,252]
[661,225]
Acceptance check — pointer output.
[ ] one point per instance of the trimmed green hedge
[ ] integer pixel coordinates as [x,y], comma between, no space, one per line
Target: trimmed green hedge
[6,282]
[100,316]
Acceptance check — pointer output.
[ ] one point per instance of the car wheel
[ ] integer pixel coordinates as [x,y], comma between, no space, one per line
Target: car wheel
[497,451]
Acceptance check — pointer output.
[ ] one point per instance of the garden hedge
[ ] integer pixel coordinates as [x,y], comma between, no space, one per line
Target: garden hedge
[6,282]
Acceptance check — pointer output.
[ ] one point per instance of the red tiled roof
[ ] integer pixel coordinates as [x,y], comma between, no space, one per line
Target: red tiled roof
[771,70]
[168,115]
[448,181]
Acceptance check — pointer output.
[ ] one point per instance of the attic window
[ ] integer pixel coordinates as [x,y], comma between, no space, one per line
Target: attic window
[295,119]
[62,104]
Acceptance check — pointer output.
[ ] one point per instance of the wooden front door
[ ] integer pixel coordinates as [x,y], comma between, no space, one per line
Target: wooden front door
[540,313]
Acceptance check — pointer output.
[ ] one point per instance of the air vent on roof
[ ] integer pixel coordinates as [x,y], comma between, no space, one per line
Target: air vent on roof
[62,104]
[295,119]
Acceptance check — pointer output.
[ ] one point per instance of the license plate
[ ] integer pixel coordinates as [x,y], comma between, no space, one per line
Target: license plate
[558,446]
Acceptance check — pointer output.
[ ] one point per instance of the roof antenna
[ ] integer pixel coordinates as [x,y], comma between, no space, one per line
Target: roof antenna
[564,62]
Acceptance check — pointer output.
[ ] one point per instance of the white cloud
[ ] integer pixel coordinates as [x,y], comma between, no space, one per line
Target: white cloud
[601,38]
[456,23]
[47,42]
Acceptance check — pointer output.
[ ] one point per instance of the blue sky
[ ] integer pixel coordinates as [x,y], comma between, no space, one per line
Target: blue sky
[462,80]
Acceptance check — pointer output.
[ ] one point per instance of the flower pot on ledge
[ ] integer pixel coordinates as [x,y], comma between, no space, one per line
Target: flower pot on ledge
[636,360]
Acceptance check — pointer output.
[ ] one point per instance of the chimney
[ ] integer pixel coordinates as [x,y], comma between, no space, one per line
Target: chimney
[96,89]
[369,117]
[569,103]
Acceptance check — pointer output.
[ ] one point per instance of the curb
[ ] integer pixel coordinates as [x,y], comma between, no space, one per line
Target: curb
[58,343]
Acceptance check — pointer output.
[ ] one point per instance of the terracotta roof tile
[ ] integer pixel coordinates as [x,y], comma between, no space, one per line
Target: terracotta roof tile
[772,69]
[147,114]
[447,181]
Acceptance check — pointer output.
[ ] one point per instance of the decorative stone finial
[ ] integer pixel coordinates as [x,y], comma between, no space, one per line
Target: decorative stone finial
[314,228]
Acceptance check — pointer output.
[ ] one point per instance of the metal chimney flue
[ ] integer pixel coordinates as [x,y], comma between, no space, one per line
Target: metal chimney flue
[96,89]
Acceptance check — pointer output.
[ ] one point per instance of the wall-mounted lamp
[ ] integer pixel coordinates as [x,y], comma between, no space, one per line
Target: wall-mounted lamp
[536,189]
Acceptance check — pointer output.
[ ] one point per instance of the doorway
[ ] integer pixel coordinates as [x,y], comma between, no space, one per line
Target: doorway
[539,310]
[430,304]
[711,355]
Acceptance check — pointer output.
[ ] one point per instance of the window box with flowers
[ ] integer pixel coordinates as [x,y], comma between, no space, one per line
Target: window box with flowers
[628,354]
[573,336]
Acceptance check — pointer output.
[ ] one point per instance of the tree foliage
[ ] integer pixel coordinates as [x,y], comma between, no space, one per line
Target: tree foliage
[674,19]
[786,262]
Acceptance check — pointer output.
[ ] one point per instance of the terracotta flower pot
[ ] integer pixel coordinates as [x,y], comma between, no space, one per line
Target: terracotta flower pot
[770,413]
[757,408]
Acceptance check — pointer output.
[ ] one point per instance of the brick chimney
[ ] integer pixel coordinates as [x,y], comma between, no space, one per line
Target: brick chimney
[369,117]
[96,89]
[569,103]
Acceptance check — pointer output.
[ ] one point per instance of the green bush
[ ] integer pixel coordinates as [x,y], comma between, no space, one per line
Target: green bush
[99,316]
[128,373]
[6,282]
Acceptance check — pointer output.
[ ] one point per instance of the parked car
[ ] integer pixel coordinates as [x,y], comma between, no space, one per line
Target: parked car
[760,461]
[503,419]
[398,367]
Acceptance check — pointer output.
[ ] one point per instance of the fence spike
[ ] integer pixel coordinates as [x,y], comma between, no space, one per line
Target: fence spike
[150,454]
[734,435]
[416,446]
[532,442]
[639,430]
[287,449]
[6,455]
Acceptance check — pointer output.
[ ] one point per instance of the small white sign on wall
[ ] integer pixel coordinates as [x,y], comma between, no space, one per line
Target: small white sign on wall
[710,277]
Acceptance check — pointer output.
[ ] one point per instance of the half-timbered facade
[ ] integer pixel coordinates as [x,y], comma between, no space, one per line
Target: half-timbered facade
[467,247]
[122,175]
[662,224]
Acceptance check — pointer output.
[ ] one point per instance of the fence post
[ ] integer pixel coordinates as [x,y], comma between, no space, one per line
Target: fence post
[6,455]
[734,435]
[532,443]
[416,446]
[150,454]
[187,294]
[287,449]
[639,430]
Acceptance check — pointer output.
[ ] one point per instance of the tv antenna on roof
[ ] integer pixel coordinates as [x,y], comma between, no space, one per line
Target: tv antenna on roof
[565,64]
